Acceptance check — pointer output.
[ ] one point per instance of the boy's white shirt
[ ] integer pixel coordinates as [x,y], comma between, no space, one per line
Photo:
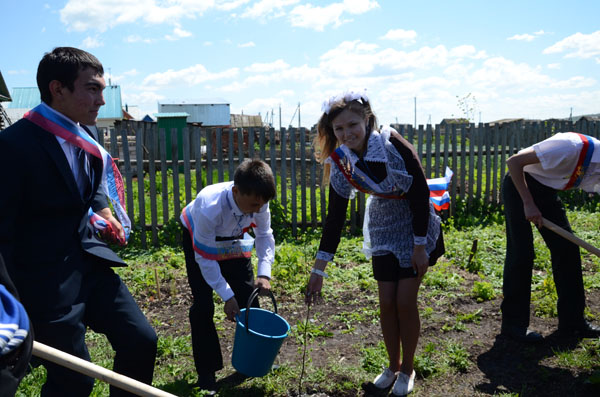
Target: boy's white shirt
[558,156]
[214,214]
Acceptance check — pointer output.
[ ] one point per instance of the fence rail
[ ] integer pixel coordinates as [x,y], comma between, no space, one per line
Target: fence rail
[159,162]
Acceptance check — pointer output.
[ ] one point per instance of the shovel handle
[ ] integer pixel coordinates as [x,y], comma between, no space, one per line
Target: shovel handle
[571,237]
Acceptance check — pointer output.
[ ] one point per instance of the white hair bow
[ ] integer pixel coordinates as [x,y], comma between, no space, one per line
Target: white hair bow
[347,96]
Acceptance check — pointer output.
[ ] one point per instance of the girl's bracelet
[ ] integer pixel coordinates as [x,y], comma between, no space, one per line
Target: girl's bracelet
[319,272]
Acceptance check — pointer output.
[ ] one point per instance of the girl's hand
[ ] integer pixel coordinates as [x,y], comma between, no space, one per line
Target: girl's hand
[313,289]
[420,260]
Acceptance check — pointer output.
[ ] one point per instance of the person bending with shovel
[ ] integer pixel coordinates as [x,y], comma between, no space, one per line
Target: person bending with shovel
[530,192]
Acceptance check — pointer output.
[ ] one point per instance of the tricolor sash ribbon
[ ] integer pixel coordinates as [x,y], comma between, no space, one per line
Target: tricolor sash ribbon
[438,187]
[61,126]
[219,250]
[358,182]
[438,190]
[585,157]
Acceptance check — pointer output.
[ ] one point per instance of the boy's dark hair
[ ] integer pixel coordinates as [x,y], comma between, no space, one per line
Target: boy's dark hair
[254,177]
[64,64]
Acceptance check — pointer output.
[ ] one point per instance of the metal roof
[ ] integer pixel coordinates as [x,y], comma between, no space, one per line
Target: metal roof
[4,94]
[171,114]
[24,98]
[29,97]
[197,101]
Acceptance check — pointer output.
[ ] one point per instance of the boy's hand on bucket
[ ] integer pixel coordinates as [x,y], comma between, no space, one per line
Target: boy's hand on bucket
[263,283]
[231,308]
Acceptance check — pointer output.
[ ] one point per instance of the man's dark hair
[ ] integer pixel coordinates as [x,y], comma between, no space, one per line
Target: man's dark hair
[64,64]
[254,177]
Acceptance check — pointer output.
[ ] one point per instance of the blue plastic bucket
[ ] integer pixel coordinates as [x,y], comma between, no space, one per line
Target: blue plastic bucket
[258,336]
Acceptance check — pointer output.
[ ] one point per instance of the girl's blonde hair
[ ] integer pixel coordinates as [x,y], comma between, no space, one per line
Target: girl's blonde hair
[325,142]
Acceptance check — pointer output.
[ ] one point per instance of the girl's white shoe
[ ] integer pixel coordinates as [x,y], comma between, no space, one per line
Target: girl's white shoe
[404,384]
[385,379]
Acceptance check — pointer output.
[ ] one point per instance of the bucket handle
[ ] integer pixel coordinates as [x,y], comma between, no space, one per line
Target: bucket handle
[253,296]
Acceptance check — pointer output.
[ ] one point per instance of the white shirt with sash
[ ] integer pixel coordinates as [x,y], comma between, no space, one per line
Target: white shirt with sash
[558,157]
[214,213]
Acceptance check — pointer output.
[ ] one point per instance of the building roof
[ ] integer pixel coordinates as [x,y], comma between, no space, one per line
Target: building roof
[589,117]
[245,120]
[197,101]
[171,115]
[4,94]
[513,120]
[29,97]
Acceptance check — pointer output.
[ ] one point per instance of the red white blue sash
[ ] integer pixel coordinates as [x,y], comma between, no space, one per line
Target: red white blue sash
[219,250]
[357,181]
[585,157]
[59,125]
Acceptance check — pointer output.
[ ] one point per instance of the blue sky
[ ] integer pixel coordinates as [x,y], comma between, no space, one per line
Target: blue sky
[533,59]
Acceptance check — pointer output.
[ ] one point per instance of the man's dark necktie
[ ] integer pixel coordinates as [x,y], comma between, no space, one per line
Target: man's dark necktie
[84,181]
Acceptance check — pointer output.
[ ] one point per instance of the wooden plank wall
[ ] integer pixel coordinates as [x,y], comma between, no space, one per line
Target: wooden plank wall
[476,153]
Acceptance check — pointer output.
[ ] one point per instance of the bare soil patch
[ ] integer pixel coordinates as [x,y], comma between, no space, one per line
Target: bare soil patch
[497,365]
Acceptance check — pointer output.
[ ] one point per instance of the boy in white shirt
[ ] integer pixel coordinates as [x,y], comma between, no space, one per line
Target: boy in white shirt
[530,191]
[217,253]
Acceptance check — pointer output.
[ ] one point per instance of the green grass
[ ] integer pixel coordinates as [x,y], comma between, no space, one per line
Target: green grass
[454,277]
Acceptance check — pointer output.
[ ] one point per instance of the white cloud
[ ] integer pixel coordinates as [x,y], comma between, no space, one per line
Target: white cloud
[147,101]
[247,45]
[406,37]
[350,58]
[522,37]
[578,45]
[15,72]
[178,33]
[105,14]
[527,36]
[317,18]
[554,66]
[267,67]
[467,51]
[192,75]
[574,82]
[500,72]
[286,93]
[225,5]
[122,77]
[91,42]
[268,9]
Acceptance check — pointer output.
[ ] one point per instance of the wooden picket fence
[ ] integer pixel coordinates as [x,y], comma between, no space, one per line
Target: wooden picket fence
[163,162]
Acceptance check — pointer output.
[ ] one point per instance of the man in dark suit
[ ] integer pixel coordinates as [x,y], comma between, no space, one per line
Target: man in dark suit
[61,270]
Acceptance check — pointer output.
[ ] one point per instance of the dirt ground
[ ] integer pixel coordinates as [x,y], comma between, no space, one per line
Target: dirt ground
[497,365]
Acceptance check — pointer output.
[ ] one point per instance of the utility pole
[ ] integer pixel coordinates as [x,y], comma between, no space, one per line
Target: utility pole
[571,115]
[415,112]
[298,115]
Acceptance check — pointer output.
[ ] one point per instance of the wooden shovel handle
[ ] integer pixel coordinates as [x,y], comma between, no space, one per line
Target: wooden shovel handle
[85,367]
[571,237]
